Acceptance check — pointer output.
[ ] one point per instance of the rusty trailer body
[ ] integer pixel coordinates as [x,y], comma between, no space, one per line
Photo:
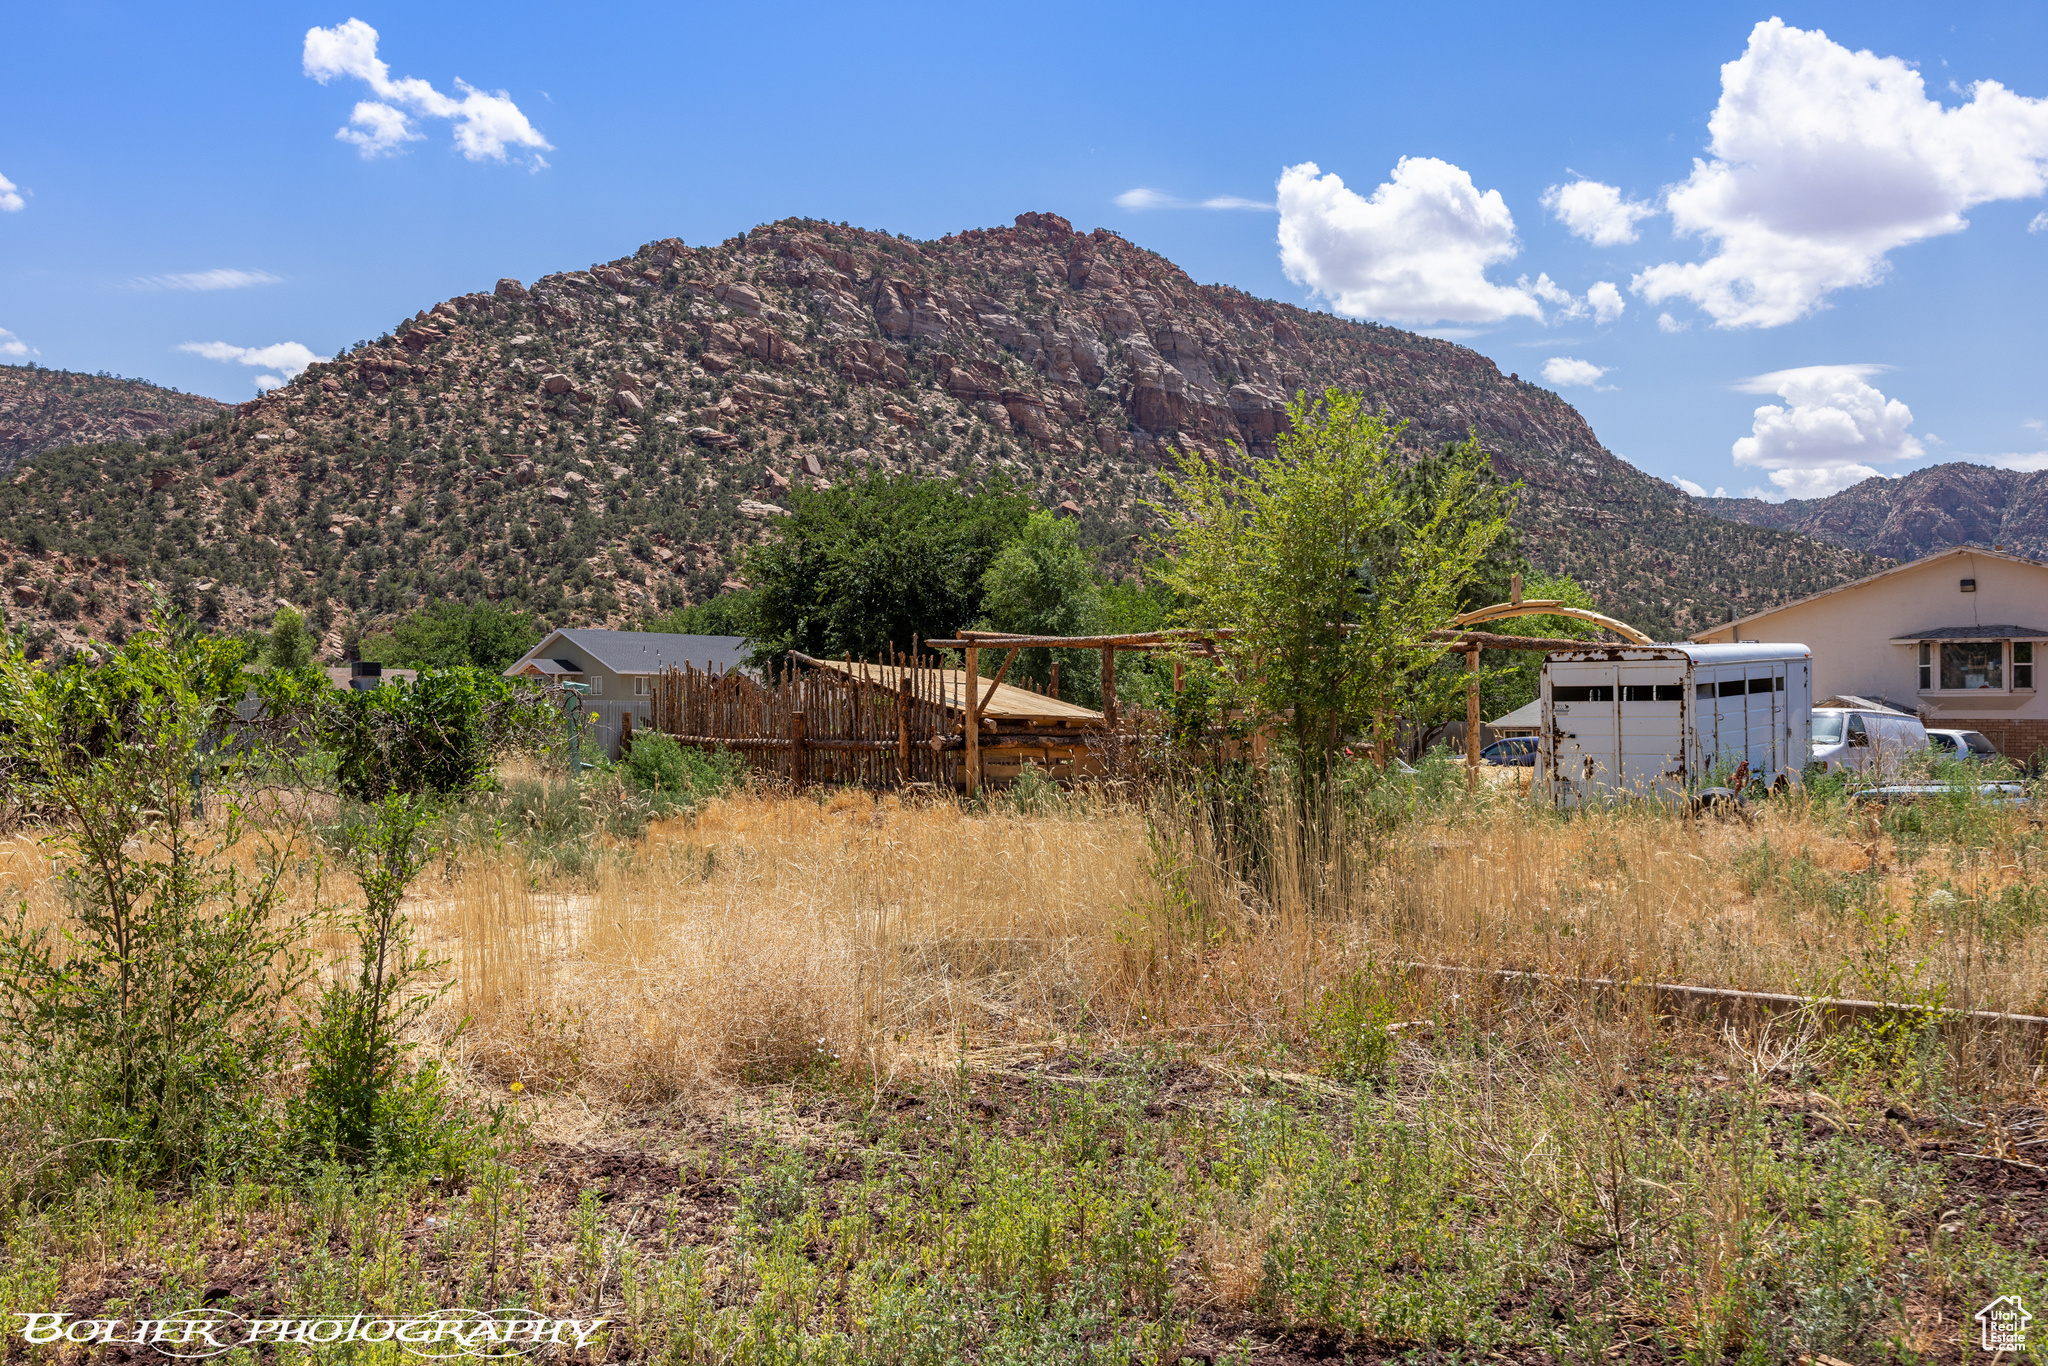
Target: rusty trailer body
[1654,721]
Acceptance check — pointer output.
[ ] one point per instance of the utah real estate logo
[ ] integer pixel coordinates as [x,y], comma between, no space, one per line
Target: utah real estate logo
[2005,1322]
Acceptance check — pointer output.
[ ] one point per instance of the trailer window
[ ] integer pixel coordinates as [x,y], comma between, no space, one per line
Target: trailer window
[1731,687]
[1706,692]
[1778,683]
[1593,693]
[1759,685]
[1652,692]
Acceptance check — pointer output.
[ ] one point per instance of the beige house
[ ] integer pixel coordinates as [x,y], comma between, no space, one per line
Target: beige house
[1953,637]
[617,670]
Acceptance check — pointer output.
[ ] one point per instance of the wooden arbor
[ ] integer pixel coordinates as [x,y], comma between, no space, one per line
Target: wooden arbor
[1465,639]
[972,643]
[1516,606]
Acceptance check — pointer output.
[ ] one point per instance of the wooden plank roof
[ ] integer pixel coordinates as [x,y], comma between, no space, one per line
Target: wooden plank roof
[1008,703]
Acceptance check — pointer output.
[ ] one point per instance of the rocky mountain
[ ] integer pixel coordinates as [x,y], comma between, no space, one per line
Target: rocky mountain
[1925,511]
[42,409]
[607,442]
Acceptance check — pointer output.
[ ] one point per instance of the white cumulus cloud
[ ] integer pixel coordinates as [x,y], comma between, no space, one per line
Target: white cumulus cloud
[2025,464]
[210,279]
[1416,251]
[10,196]
[1823,161]
[11,345]
[1566,372]
[1832,431]
[1606,301]
[1667,323]
[2038,223]
[1142,198]
[1696,490]
[1596,212]
[288,358]
[487,123]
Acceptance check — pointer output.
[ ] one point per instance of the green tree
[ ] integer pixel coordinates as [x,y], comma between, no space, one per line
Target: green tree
[1043,584]
[728,614]
[451,635]
[1327,574]
[1133,606]
[863,567]
[290,645]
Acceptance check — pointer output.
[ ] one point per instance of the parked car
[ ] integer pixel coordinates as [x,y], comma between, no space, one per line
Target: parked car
[1962,744]
[1850,738]
[1516,751]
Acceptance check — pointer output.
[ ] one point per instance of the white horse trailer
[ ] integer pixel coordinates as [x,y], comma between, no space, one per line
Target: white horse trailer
[1654,720]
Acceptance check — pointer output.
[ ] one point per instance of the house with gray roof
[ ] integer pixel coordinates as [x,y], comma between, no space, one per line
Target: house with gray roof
[618,669]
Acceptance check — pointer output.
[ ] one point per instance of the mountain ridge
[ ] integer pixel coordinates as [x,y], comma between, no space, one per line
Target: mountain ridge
[1945,505]
[41,409]
[606,443]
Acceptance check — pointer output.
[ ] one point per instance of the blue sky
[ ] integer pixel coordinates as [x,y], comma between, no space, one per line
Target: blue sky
[1848,281]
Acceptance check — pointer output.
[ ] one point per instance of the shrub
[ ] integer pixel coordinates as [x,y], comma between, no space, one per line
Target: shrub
[657,764]
[139,1035]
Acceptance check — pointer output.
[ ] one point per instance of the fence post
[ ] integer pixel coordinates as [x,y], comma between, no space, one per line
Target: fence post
[1472,719]
[797,764]
[903,726]
[1109,685]
[972,777]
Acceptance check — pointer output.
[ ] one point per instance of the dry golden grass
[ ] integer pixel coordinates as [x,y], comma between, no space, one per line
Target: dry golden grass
[771,934]
[1793,901]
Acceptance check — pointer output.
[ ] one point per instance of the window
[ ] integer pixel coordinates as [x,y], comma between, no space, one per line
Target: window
[2022,663]
[1827,728]
[640,686]
[1971,665]
[1706,692]
[1759,685]
[1731,687]
[1926,667]
[1969,585]
[596,682]
[1652,692]
[1583,694]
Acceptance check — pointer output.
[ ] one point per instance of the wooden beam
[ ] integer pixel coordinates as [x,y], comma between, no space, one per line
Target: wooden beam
[997,681]
[798,768]
[1487,640]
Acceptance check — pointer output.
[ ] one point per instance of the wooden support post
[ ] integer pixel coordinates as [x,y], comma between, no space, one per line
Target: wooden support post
[996,682]
[1109,685]
[971,775]
[1176,673]
[798,768]
[902,724]
[1055,686]
[1472,719]
[625,733]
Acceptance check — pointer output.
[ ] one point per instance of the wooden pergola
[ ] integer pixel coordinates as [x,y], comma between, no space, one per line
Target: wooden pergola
[1463,639]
